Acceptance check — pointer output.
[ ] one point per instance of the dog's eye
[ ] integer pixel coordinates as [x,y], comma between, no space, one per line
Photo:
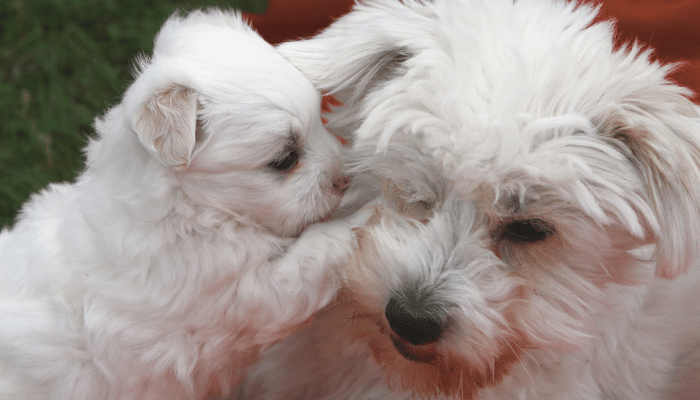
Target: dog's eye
[525,231]
[285,163]
[420,210]
[424,205]
[409,205]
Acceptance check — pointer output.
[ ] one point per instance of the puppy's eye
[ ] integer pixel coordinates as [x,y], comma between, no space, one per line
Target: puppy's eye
[286,162]
[525,231]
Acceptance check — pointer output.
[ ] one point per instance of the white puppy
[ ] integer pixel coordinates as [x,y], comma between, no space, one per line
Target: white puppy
[176,254]
[527,165]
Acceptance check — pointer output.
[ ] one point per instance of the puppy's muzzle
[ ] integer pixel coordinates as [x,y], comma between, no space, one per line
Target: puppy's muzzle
[340,184]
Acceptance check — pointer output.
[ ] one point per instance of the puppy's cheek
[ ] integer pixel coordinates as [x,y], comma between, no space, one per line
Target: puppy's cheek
[334,201]
[326,197]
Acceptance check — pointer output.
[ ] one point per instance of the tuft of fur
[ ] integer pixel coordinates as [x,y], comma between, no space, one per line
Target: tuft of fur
[539,204]
[189,242]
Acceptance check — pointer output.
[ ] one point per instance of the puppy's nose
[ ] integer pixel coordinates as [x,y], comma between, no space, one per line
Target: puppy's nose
[412,323]
[340,184]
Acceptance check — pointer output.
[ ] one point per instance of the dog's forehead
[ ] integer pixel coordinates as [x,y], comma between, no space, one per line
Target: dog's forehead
[497,97]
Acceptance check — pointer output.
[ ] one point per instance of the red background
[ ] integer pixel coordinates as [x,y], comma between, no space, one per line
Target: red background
[672,27]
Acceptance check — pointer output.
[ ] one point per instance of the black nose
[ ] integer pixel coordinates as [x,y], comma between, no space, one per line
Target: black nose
[412,323]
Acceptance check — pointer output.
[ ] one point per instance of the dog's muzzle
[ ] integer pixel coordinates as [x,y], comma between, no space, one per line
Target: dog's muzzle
[415,330]
[412,323]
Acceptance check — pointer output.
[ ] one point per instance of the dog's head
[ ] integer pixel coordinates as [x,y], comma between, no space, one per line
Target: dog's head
[236,124]
[525,163]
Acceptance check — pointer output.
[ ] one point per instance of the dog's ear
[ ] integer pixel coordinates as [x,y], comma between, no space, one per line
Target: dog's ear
[661,136]
[166,125]
[357,51]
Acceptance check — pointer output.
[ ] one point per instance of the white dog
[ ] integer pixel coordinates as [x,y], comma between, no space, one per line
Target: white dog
[539,228]
[176,254]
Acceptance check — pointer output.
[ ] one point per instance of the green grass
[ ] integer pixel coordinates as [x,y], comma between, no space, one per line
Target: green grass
[62,62]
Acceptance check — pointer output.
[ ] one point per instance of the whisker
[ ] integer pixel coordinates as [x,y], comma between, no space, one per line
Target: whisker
[510,343]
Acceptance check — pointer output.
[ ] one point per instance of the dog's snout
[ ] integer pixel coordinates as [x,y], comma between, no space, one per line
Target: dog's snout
[340,184]
[413,323]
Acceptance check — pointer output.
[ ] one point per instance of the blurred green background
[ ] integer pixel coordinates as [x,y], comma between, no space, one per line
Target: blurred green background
[62,62]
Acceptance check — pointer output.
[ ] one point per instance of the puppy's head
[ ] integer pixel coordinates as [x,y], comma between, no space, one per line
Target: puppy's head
[525,164]
[236,124]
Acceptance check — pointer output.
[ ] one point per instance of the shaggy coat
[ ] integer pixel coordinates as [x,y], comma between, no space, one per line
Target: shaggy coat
[536,235]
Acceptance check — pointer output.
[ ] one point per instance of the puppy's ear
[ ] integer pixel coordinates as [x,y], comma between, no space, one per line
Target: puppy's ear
[356,51]
[661,136]
[166,125]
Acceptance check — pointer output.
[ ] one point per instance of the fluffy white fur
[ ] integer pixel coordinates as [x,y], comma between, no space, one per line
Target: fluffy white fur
[538,223]
[178,253]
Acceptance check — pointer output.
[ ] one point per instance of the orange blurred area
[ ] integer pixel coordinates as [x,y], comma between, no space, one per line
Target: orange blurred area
[292,19]
[672,27]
